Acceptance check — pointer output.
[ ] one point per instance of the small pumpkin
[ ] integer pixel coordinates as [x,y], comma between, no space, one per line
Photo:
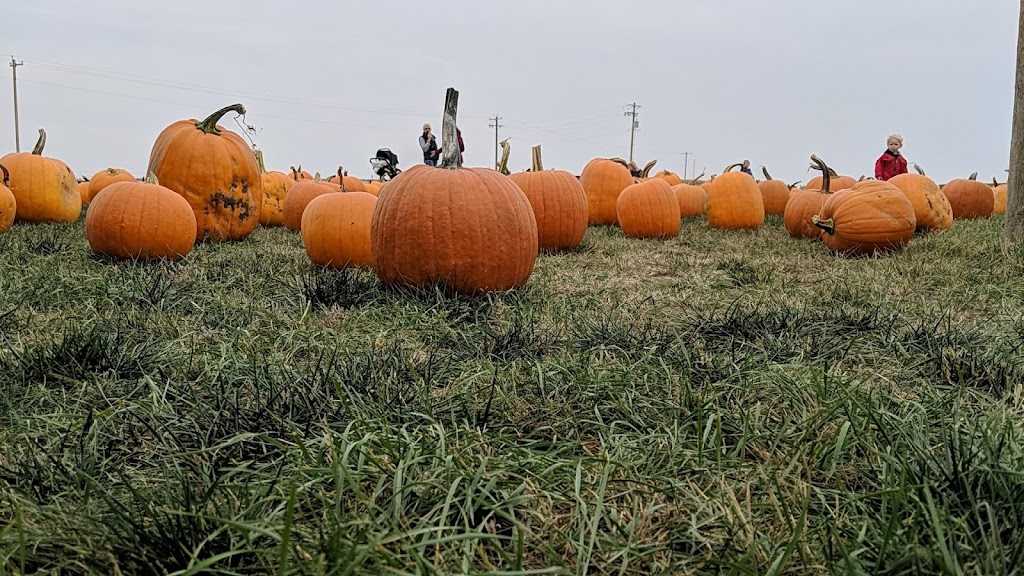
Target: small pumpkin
[871,217]
[140,221]
[374,186]
[838,182]
[348,183]
[970,198]
[735,202]
[299,173]
[299,196]
[336,229]
[215,171]
[44,188]
[775,194]
[83,191]
[276,185]
[559,205]
[805,204]
[672,178]
[932,210]
[603,180]
[8,205]
[692,200]
[648,209]
[104,178]
[999,197]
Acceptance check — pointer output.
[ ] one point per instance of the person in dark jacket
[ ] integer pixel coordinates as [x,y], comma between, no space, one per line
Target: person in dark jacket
[745,168]
[891,162]
[429,146]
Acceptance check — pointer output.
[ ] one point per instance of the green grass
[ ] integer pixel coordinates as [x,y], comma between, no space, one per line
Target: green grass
[720,403]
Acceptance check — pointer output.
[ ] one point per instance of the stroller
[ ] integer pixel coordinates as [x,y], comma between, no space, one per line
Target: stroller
[385,164]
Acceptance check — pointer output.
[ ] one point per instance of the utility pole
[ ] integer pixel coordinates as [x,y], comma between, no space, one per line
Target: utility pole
[686,162]
[17,131]
[635,124]
[496,125]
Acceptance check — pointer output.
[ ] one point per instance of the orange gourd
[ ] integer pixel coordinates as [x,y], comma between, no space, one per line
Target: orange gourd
[932,210]
[648,209]
[774,193]
[603,180]
[806,203]
[970,198]
[300,195]
[44,188]
[276,185]
[559,205]
[692,200]
[735,202]
[336,229]
[105,178]
[871,217]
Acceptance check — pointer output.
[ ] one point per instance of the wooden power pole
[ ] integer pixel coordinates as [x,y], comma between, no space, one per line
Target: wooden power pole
[1015,182]
[17,130]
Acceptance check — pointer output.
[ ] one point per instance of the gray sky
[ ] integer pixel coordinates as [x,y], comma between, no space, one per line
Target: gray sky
[329,83]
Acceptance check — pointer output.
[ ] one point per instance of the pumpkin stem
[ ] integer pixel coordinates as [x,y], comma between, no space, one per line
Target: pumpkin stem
[861,179]
[38,150]
[994,181]
[793,185]
[449,131]
[701,175]
[341,178]
[259,161]
[316,178]
[506,151]
[535,163]
[731,166]
[7,176]
[828,225]
[151,178]
[647,168]
[210,124]
[826,173]
[618,160]
[918,169]
[767,176]
[973,176]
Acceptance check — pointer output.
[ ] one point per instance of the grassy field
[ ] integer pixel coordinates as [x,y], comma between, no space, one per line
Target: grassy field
[720,403]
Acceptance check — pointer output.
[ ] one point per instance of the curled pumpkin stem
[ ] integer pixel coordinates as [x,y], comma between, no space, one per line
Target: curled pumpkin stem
[918,169]
[647,168]
[793,185]
[506,151]
[151,178]
[764,170]
[828,225]
[7,176]
[210,124]
[731,166]
[618,160]
[40,143]
[973,176]
[826,173]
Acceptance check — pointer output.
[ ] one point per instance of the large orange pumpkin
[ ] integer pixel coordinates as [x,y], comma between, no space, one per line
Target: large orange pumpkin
[215,171]
[775,194]
[648,209]
[8,205]
[275,187]
[140,221]
[558,202]
[805,204]
[603,180]
[692,200]
[300,195]
[44,188]
[104,178]
[336,229]
[932,210]
[999,197]
[969,198]
[871,217]
[735,202]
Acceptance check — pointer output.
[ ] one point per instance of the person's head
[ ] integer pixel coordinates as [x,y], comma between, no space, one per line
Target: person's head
[746,163]
[426,127]
[894,142]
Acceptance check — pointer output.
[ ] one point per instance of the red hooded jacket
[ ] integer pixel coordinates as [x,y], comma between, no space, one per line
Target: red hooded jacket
[889,165]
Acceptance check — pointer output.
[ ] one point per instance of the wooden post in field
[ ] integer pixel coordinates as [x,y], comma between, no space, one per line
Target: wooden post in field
[449,131]
[1015,182]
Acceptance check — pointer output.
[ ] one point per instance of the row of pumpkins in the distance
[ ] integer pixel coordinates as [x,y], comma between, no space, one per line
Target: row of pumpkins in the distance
[205,184]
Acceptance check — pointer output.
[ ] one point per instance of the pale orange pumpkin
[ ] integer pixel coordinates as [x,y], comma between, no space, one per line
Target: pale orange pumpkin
[83,191]
[373,187]
[999,197]
[805,204]
[838,182]
[870,217]
[336,229]
[300,174]
[275,188]
[300,195]
[775,194]
[44,188]
[603,180]
[104,178]
[932,210]
[735,202]
[8,205]
[648,209]
[559,205]
[969,198]
[346,182]
[672,178]
[692,200]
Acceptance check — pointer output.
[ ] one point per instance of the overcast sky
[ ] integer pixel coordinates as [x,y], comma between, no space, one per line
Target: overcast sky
[327,83]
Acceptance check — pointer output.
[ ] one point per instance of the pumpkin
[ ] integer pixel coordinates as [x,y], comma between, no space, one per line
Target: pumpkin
[806,203]
[8,205]
[870,217]
[735,202]
[970,198]
[932,210]
[838,182]
[603,180]
[672,178]
[336,229]
[44,188]
[774,193]
[83,191]
[348,183]
[648,209]
[105,178]
[299,173]
[469,229]
[999,197]
[299,196]
[215,171]
[275,188]
[140,221]
[373,187]
[558,202]
[692,200]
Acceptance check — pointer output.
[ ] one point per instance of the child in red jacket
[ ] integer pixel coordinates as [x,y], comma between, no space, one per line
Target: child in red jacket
[891,162]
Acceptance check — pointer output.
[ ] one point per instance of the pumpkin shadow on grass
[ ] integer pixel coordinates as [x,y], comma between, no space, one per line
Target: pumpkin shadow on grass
[343,288]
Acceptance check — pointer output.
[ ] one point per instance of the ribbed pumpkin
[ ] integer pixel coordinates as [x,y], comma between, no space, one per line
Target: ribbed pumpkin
[648,209]
[276,185]
[300,195]
[373,187]
[871,217]
[83,191]
[336,229]
[970,198]
[215,171]
[104,178]
[469,229]
[603,180]
[734,201]
[44,188]
[140,221]
[774,193]
[559,205]
[692,200]
[805,204]
[8,205]
[838,182]
[346,182]
[672,178]
[300,174]
[999,197]
[932,210]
